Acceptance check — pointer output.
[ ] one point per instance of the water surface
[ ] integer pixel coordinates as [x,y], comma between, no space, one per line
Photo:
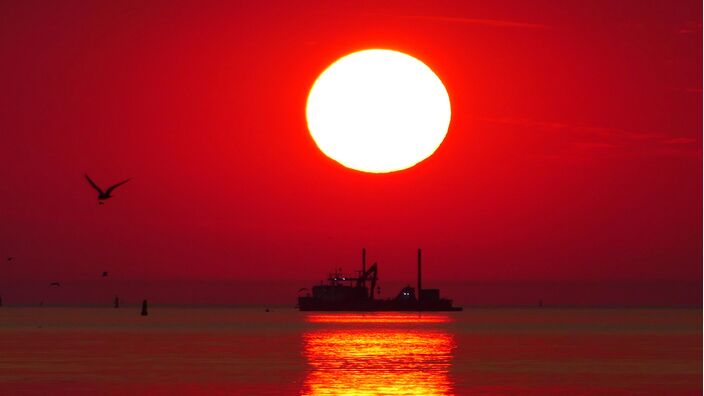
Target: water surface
[248,351]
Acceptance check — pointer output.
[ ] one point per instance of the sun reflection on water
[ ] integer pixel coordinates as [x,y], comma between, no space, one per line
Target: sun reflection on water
[378,354]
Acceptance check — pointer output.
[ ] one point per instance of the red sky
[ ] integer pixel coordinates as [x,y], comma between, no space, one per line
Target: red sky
[572,168]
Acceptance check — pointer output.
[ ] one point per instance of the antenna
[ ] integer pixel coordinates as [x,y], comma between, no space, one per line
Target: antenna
[364,267]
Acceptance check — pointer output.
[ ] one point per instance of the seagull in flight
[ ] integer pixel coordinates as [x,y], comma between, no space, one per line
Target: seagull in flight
[103,195]
[57,284]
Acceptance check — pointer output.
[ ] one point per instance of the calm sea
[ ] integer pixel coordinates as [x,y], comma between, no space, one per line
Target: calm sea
[247,351]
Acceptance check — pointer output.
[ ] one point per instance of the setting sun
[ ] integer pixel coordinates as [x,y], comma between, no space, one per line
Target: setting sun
[378,111]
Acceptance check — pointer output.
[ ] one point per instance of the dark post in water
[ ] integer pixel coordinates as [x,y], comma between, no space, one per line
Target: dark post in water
[116,302]
[144,308]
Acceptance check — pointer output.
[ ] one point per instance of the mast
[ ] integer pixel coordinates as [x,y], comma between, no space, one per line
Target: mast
[419,277]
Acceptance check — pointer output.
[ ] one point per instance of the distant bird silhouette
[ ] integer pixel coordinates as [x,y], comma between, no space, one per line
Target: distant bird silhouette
[105,274]
[57,284]
[103,195]
[10,258]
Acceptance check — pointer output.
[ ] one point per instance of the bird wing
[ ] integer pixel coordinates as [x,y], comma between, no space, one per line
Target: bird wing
[92,183]
[116,186]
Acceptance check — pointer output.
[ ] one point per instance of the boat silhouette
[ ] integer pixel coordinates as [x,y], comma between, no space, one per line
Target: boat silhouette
[343,293]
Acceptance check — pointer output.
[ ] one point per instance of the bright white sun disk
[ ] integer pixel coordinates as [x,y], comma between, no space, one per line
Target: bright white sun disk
[378,111]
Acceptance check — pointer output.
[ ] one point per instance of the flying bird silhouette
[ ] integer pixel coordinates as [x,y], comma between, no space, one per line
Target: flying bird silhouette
[105,273]
[10,258]
[103,195]
[57,284]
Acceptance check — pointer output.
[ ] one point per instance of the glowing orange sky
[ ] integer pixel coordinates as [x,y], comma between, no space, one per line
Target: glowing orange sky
[573,157]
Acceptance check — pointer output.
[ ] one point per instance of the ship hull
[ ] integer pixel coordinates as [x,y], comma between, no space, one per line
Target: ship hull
[312,304]
[380,309]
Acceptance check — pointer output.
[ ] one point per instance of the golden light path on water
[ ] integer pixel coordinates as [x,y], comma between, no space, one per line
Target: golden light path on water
[369,354]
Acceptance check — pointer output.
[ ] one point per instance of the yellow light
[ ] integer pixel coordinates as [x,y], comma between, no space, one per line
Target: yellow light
[378,111]
[378,354]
